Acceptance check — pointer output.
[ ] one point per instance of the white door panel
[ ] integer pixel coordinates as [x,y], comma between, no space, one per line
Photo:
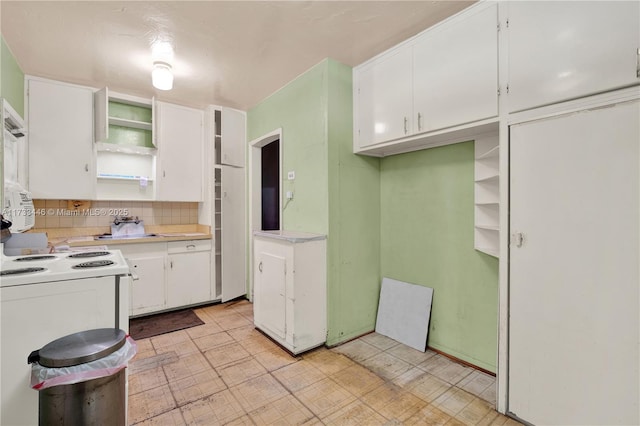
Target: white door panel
[233,233]
[573,339]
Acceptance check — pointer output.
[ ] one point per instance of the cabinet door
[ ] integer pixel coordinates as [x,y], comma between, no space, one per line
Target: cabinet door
[233,136]
[233,233]
[148,291]
[34,315]
[180,153]
[101,115]
[189,279]
[565,49]
[61,153]
[455,77]
[574,276]
[270,292]
[384,100]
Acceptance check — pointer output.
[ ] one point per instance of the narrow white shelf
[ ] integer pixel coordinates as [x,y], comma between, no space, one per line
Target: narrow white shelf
[124,177]
[125,149]
[489,250]
[487,195]
[489,179]
[130,123]
[493,152]
[488,227]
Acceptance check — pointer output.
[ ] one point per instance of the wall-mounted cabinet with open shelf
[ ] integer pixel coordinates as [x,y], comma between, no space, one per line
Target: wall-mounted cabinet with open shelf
[125,146]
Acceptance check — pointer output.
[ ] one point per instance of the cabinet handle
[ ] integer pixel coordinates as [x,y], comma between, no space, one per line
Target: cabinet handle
[405,125]
[164,173]
[419,122]
[517,239]
[260,266]
[86,167]
[191,247]
[171,264]
[638,63]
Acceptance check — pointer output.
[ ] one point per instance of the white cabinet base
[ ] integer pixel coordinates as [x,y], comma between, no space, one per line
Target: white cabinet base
[290,289]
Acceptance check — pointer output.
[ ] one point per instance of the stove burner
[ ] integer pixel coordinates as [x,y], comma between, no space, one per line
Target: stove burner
[30,258]
[93,264]
[89,254]
[22,271]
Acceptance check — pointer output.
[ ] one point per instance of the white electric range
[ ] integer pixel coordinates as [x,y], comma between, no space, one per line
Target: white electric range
[41,268]
[45,297]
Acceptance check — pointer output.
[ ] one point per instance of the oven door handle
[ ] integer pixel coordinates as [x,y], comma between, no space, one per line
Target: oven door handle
[134,276]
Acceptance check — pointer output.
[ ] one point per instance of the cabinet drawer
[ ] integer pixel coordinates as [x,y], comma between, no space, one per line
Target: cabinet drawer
[189,246]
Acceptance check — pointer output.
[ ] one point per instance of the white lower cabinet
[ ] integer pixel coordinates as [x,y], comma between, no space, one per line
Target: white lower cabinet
[147,292]
[168,275]
[290,288]
[189,273]
[147,264]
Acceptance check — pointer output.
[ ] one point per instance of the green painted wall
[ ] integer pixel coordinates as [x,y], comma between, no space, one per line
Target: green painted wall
[354,220]
[427,239]
[336,192]
[300,109]
[11,79]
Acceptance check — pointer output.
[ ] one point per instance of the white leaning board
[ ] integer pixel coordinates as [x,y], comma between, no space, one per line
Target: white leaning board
[403,312]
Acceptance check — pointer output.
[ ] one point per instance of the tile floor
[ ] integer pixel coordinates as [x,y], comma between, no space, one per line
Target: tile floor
[226,372]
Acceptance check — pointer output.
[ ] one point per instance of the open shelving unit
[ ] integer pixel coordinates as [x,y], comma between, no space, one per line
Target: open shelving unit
[487,195]
[125,146]
[217,228]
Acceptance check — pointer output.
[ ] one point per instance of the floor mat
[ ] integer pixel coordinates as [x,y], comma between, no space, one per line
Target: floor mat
[154,325]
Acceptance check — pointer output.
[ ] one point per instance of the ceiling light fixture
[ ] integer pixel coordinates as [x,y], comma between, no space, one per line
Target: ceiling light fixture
[162,75]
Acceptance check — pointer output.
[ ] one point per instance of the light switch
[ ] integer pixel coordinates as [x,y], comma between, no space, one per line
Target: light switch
[291,175]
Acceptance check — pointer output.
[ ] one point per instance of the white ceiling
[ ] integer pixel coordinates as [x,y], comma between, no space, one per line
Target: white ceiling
[229,53]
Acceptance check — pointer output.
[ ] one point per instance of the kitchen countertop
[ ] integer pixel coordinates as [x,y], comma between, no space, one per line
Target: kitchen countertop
[82,237]
[158,238]
[290,236]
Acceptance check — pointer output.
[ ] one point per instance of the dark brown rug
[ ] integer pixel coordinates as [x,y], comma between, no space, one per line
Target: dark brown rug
[154,325]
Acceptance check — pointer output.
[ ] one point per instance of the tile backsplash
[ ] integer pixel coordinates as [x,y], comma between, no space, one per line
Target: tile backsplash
[55,213]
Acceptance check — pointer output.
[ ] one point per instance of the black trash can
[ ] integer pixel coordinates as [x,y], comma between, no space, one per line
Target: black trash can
[96,401]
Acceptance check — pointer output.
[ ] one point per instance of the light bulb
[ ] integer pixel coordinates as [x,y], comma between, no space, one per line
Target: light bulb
[161,76]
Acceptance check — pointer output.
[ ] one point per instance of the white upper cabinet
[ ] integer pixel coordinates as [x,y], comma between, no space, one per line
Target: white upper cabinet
[384,98]
[564,50]
[61,154]
[446,76]
[455,71]
[180,135]
[233,137]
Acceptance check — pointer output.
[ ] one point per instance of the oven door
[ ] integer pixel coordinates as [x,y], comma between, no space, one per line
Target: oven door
[32,316]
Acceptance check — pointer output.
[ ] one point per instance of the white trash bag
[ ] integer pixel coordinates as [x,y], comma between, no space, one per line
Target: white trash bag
[46,377]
